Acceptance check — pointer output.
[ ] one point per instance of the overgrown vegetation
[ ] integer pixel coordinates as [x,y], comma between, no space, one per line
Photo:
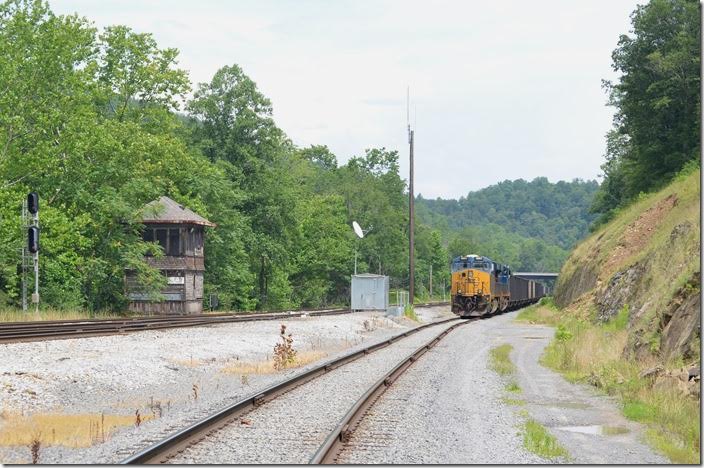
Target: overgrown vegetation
[590,352]
[60,429]
[535,437]
[539,441]
[657,99]
[500,361]
[264,367]
[410,312]
[284,354]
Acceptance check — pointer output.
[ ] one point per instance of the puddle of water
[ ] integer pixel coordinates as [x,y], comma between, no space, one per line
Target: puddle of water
[566,404]
[596,429]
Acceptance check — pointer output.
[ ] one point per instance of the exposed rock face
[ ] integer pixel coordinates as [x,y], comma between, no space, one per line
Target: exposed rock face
[634,262]
[569,289]
[681,322]
[621,291]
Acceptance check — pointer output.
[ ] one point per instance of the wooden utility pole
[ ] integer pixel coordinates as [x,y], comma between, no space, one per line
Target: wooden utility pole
[411,225]
[431,282]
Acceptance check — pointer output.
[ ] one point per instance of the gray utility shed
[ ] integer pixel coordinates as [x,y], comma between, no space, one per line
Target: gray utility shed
[181,234]
[370,292]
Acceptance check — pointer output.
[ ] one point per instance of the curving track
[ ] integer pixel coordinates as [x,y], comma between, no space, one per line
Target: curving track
[303,419]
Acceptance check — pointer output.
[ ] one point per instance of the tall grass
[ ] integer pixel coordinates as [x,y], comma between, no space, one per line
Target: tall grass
[591,353]
[15,315]
[68,430]
[538,440]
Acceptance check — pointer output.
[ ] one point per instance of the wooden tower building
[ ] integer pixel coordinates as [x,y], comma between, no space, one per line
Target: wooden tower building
[181,234]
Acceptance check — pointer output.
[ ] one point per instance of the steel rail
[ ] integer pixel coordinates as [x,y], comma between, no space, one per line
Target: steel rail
[161,451]
[11,332]
[338,438]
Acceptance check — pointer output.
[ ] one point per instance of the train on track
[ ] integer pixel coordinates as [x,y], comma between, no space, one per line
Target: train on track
[481,287]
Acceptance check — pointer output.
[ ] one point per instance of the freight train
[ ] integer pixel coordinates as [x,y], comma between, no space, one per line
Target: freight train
[481,286]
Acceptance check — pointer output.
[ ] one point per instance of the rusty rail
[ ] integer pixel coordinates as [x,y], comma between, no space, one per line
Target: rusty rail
[338,438]
[176,443]
[13,332]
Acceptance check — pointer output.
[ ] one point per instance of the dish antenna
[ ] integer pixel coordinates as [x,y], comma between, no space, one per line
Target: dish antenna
[360,233]
[357,229]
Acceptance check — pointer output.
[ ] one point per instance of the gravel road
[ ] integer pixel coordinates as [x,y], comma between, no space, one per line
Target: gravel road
[449,408]
[575,414]
[445,409]
[290,428]
[153,370]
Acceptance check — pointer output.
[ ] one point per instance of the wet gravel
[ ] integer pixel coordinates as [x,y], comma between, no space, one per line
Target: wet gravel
[290,428]
[575,414]
[155,371]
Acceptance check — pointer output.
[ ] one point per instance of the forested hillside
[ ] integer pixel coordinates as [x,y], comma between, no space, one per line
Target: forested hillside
[656,127]
[98,123]
[530,225]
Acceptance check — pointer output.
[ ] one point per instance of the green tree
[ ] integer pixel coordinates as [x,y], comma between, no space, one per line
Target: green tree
[657,100]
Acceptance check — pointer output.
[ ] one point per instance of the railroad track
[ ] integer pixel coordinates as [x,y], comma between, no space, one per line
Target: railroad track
[13,332]
[297,399]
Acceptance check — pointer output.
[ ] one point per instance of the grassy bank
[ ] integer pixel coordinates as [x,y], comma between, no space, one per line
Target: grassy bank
[592,353]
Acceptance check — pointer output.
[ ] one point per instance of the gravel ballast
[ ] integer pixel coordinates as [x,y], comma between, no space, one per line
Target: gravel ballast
[158,369]
[295,424]
[449,407]
[446,408]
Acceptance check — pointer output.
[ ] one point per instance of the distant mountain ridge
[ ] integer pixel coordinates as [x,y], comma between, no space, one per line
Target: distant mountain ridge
[530,225]
[557,213]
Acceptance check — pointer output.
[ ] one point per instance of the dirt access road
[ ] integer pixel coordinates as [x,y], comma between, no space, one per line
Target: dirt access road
[450,407]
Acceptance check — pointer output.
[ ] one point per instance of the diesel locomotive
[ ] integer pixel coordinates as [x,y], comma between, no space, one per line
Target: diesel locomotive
[481,286]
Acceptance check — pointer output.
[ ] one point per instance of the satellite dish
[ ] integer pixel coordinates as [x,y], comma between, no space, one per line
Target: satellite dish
[357,229]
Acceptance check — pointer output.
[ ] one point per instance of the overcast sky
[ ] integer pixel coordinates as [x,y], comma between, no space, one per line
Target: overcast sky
[499,89]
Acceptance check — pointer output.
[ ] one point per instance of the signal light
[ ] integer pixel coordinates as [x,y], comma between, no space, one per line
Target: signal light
[33,202]
[33,239]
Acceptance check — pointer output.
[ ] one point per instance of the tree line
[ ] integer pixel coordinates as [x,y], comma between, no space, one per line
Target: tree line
[96,122]
[529,225]
[656,127]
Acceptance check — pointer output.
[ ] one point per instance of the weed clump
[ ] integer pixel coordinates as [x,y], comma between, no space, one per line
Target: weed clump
[34,447]
[513,387]
[500,361]
[409,312]
[539,441]
[284,354]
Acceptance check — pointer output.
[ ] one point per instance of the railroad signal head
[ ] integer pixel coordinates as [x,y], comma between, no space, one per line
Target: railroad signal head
[33,239]
[33,202]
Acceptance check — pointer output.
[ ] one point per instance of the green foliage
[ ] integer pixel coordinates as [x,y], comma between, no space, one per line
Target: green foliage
[500,361]
[593,355]
[528,225]
[88,119]
[657,120]
[562,333]
[409,312]
[619,322]
[539,441]
[513,387]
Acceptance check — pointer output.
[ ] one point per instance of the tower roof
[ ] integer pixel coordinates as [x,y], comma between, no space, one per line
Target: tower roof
[165,210]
